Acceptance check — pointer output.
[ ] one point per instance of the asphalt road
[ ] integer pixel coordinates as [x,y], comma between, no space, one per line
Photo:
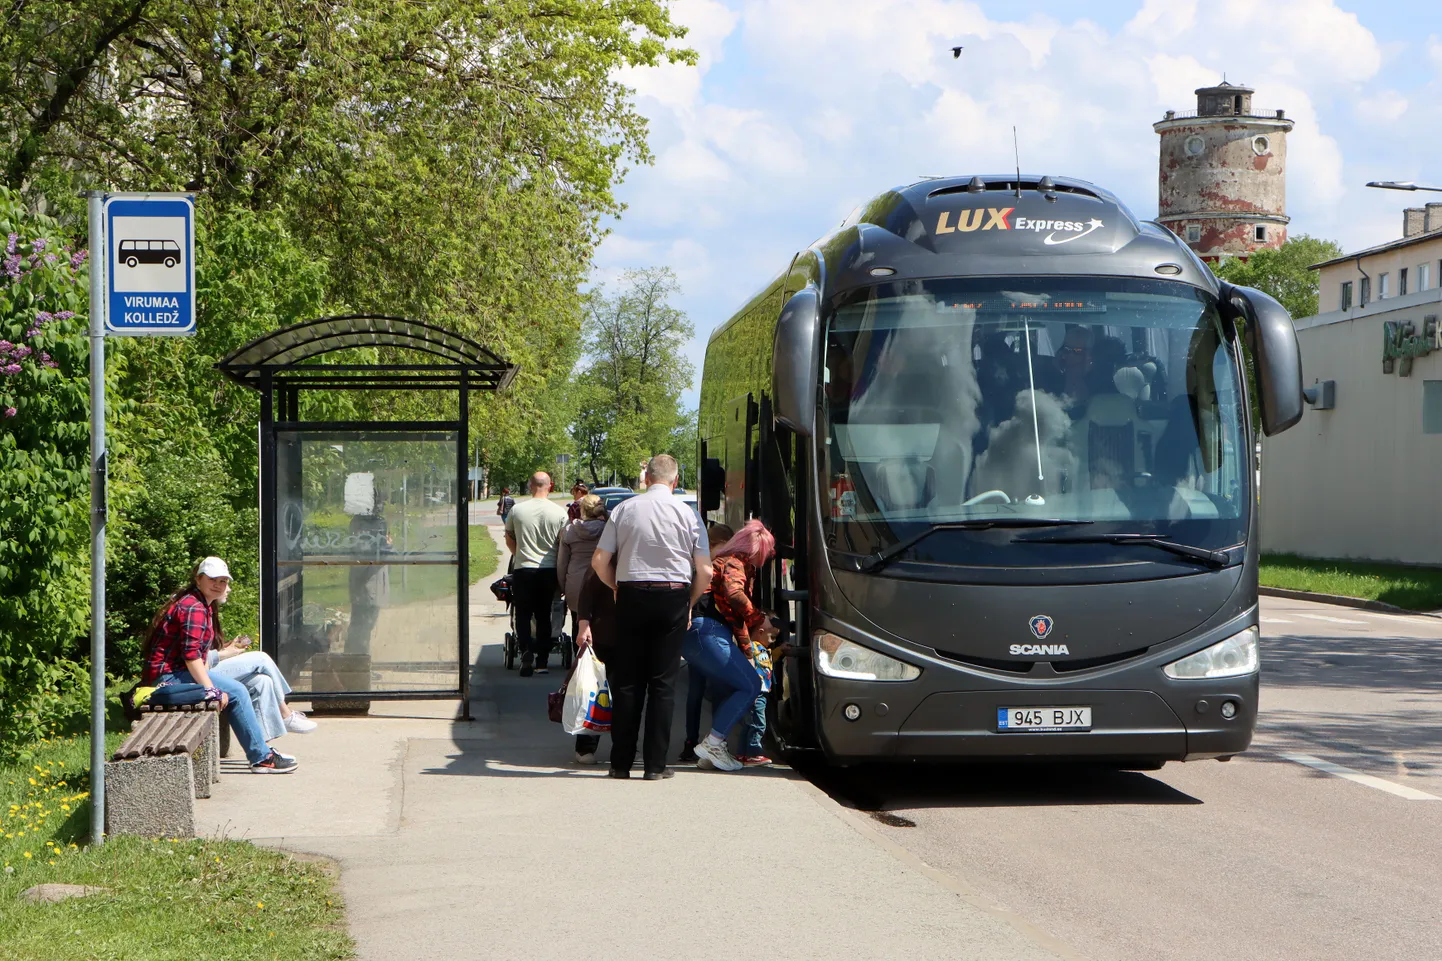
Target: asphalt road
[1323,841]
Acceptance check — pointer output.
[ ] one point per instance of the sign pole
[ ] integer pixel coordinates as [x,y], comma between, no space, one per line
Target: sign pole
[98,259]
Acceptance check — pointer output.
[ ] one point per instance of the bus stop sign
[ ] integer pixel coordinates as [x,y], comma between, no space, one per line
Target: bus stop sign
[150,264]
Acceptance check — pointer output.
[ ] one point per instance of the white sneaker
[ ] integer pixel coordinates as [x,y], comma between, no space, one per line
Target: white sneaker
[298,723]
[719,757]
[585,759]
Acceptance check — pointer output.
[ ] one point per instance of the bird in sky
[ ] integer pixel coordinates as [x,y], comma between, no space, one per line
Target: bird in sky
[956,52]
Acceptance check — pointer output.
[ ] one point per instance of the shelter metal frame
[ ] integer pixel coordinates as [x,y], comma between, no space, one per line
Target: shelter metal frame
[282,364]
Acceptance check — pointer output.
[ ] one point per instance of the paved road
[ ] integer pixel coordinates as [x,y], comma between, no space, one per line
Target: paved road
[1324,841]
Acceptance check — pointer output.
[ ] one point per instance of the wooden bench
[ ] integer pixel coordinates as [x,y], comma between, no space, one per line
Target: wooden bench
[171,757]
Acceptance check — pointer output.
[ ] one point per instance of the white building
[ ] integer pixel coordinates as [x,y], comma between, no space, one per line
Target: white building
[1360,480]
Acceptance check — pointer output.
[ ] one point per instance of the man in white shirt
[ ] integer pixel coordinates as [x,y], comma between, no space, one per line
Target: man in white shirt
[532,528]
[663,566]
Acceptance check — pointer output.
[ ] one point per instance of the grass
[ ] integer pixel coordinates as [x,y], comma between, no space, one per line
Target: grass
[330,586]
[165,899]
[1413,588]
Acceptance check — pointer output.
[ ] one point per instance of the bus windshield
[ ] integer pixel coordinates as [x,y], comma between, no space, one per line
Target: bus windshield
[1113,401]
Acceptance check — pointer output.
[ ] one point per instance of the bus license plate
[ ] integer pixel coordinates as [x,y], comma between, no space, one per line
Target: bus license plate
[1043,719]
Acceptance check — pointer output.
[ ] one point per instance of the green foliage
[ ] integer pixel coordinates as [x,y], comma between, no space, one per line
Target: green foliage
[1284,273]
[448,161]
[628,396]
[44,458]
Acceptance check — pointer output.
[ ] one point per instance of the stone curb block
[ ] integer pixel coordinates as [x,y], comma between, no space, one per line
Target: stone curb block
[1341,600]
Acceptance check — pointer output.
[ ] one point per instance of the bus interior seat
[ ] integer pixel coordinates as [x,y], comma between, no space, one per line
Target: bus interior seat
[903,483]
[1108,438]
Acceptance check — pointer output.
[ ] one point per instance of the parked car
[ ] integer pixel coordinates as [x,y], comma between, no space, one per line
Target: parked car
[603,491]
[610,499]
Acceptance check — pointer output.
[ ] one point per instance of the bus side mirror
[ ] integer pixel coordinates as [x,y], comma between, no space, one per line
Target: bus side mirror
[1273,342]
[794,372]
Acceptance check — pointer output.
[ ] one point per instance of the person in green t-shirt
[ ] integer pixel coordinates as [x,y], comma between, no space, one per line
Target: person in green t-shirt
[532,530]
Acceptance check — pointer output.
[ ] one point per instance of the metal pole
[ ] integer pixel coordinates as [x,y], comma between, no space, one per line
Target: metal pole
[98,258]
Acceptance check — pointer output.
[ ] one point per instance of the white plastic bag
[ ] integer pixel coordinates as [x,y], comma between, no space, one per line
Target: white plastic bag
[587,709]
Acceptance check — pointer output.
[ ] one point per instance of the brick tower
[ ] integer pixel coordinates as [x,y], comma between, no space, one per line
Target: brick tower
[1222,186]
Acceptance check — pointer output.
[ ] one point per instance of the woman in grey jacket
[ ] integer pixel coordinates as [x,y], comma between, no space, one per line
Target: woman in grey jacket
[576,544]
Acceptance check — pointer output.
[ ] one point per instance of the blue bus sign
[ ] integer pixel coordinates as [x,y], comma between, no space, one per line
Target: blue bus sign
[150,264]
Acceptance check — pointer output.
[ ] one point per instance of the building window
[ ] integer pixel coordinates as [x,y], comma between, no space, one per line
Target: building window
[1424,279]
[1346,295]
[1402,282]
[1384,286]
[1364,293]
[1194,145]
[1260,146]
[1432,406]
[1194,234]
[1259,233]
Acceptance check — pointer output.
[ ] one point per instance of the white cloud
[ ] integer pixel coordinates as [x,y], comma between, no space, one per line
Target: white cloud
[800,109]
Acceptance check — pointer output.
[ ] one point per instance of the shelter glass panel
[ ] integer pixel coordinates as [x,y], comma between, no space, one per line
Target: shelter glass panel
[367,560]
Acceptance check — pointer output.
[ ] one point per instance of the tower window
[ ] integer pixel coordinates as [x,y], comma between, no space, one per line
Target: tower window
[1259,233]
[1194,234]
[1194,145]
[1237,104]
[1260,146]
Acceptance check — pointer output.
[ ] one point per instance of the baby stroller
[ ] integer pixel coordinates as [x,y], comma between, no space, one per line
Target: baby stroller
[512,649]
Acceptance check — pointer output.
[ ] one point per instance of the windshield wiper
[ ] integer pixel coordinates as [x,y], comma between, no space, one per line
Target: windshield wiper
[878,560]
[1202,555]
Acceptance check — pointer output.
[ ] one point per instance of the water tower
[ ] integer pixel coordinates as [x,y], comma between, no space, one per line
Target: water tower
[1222,186]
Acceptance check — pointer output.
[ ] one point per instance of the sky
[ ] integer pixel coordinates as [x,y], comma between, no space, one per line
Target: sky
[799,110]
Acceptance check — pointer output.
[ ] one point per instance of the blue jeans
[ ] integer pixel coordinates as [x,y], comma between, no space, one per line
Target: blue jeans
[239,712]
[699,689]
[754,726]
[708,648]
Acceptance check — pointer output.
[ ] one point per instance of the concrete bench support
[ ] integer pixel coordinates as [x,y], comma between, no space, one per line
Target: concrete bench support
[152,796]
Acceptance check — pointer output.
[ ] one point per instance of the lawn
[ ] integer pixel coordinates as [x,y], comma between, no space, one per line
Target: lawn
[330,586]
[164,899]
[1414,588]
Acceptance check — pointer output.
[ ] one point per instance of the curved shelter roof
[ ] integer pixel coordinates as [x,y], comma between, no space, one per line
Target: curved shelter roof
[287,356]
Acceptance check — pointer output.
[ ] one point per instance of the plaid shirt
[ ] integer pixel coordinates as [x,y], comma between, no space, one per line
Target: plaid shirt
[732,582]
[185,633]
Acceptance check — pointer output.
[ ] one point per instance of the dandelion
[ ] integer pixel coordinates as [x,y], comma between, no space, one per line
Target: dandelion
[27,854]
[260,904]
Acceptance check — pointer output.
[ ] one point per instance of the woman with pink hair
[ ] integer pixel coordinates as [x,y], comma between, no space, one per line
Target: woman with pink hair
[728,634]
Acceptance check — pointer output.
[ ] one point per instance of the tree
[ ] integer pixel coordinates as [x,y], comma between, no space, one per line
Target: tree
[1285,273]
[629,393]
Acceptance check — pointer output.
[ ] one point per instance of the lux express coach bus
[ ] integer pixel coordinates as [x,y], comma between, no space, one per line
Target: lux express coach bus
[1001,430]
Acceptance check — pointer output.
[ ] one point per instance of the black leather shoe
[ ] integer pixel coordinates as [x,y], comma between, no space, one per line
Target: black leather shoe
[660,775]
[620,775]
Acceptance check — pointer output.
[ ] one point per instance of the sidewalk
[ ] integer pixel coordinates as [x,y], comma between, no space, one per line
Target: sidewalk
[470,840]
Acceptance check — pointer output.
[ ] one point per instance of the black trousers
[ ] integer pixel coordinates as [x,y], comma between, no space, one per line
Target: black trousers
[532,591]
[651,622]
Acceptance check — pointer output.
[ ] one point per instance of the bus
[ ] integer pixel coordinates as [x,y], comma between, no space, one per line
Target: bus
[1003,432]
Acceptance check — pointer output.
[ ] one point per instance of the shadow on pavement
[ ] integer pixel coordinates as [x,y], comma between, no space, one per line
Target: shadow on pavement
[879,788]
[1373,661]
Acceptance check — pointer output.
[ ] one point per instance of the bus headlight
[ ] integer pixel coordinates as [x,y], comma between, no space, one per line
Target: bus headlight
[1234,657]
[838,657]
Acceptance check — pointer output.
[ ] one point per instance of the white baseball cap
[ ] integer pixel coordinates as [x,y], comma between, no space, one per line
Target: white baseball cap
[214,567]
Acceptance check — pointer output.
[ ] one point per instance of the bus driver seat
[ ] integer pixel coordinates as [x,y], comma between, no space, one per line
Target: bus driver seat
[1107,436]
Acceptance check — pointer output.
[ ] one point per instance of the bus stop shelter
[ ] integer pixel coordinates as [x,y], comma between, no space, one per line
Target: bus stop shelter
[364,528]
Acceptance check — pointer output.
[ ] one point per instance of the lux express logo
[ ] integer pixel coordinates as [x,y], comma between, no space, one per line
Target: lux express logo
[999,218]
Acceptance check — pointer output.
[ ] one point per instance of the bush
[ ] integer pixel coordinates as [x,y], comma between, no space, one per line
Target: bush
[44,470]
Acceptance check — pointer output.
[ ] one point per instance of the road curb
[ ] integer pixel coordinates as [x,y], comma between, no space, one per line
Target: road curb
[1341,600]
